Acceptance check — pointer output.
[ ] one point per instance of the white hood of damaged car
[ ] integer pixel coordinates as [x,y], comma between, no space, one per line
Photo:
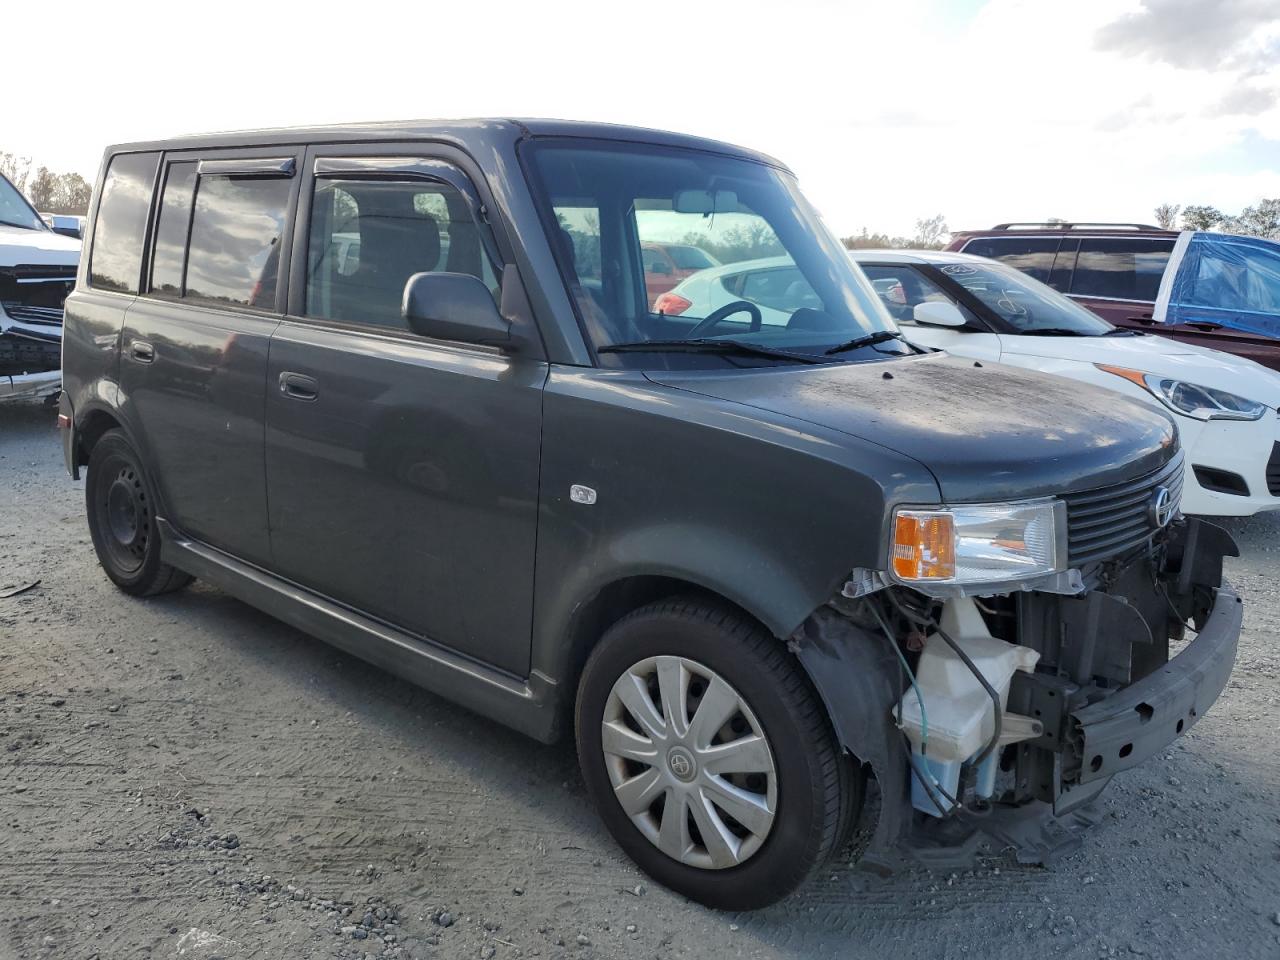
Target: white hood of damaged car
[37,246]
[1161,356]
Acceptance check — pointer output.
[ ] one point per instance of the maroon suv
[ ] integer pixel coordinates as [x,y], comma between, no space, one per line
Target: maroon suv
[1114,269]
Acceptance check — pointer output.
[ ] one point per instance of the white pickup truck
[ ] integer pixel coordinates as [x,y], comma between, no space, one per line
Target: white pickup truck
[37,271]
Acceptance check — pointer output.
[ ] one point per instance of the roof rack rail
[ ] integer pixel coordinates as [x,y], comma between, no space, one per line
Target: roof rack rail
[1072,225]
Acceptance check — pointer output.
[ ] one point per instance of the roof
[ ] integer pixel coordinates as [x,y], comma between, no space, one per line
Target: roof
[458,131]
[914,256]
[1079,228]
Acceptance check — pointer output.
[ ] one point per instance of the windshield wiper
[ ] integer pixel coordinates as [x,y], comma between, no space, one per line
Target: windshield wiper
[1052,332]
[1122,332]
[723,347]
[21,226]
[870,340]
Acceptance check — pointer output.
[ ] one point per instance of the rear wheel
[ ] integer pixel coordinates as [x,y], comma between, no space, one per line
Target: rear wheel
[710,756]
[122,520]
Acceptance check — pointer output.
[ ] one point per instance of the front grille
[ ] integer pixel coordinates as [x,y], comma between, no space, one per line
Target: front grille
[1273,471]
[51,316]
[1108,521]
[32,293]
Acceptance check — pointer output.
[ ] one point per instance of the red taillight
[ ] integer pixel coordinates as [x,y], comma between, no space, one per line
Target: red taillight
[64,422]
[671,304]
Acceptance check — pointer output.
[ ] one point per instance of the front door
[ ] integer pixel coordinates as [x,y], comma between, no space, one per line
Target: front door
[402,472]
[902,286]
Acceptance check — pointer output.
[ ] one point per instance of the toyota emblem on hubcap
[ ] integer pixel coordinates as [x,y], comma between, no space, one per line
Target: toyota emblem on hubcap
[1160,508]
[682,764]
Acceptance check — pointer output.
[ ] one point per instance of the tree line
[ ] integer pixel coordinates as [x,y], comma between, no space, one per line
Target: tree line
[931,233]
[1260,220]
[48,191]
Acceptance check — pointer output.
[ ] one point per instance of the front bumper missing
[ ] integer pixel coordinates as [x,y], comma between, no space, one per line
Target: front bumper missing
[1135,724]
[853,667]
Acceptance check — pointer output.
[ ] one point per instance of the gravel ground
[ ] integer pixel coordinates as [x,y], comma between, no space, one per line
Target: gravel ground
[186,777]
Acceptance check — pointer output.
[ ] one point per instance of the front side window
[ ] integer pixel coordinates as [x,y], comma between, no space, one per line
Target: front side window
[763,269]
[1120,268]
[368,237]
[236,234]
[903,287]
[115,258]
[14,209]
[1032,255]
[1021,304]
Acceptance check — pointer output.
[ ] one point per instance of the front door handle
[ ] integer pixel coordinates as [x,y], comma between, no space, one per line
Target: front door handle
[142,351]
[299,386]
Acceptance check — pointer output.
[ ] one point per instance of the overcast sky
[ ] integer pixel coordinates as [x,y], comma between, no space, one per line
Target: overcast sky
[888,111]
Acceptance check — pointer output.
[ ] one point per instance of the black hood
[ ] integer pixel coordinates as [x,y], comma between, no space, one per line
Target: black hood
[985,431]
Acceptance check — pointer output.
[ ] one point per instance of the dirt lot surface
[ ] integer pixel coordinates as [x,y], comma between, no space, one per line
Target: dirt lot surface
[186,777]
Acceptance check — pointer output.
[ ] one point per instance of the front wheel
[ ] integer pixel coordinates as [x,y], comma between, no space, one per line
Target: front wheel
[710,756]
[122,520]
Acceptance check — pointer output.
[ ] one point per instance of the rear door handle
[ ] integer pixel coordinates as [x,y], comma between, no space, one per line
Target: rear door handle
[142,351]
[299,386]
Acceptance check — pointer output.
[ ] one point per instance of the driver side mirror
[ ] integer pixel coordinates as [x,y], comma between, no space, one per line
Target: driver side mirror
[660,268]
[938,313]
[454,306]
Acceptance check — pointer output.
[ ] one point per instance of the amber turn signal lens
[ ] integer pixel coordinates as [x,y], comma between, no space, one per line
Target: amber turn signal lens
[924,545]
[1136,377]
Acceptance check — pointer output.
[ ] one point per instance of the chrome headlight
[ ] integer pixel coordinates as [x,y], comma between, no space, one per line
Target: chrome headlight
[979,543]
[1190,399]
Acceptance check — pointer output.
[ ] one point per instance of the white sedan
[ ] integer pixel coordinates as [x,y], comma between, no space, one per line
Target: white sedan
[1225,406]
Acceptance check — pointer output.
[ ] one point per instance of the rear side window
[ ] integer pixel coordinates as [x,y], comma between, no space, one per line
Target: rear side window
[236,236]
[368,237]
[169,255]
[115,258]
[1120,268]
[1032,255]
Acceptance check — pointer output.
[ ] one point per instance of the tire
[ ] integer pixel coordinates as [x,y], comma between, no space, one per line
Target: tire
[655,757]
[120,500]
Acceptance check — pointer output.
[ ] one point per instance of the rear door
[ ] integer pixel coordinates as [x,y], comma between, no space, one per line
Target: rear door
[194,345]
[402,471]
[1118,278]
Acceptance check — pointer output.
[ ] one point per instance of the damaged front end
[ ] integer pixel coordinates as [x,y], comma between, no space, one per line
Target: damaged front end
[997,717]
[31,305]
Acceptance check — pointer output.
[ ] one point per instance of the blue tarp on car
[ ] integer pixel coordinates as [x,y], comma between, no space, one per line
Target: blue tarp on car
[1229,280]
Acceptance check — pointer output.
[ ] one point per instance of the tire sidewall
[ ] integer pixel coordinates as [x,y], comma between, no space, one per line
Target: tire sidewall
[114,443]
[794,843]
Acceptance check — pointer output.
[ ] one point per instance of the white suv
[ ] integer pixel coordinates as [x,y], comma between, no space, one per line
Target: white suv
[37,271]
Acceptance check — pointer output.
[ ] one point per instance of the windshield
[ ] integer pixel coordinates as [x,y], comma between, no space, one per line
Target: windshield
[1026,305]
[14,209]
[755,264]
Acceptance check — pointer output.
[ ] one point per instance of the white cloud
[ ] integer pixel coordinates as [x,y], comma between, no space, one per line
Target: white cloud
[888,112]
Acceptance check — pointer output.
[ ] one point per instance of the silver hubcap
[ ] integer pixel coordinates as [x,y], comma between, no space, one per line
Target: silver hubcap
[689,762]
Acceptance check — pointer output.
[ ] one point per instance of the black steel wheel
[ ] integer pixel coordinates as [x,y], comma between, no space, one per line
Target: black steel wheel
[122,520]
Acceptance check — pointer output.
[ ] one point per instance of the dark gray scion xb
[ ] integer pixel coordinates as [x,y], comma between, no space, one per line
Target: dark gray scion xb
[410,388]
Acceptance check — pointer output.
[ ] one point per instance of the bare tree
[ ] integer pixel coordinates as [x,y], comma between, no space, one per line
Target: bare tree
[16,168]
[1167,215]
[930,233]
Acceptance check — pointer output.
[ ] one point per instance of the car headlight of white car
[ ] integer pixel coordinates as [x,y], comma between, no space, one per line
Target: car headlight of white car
[1191,399]
[972,544]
